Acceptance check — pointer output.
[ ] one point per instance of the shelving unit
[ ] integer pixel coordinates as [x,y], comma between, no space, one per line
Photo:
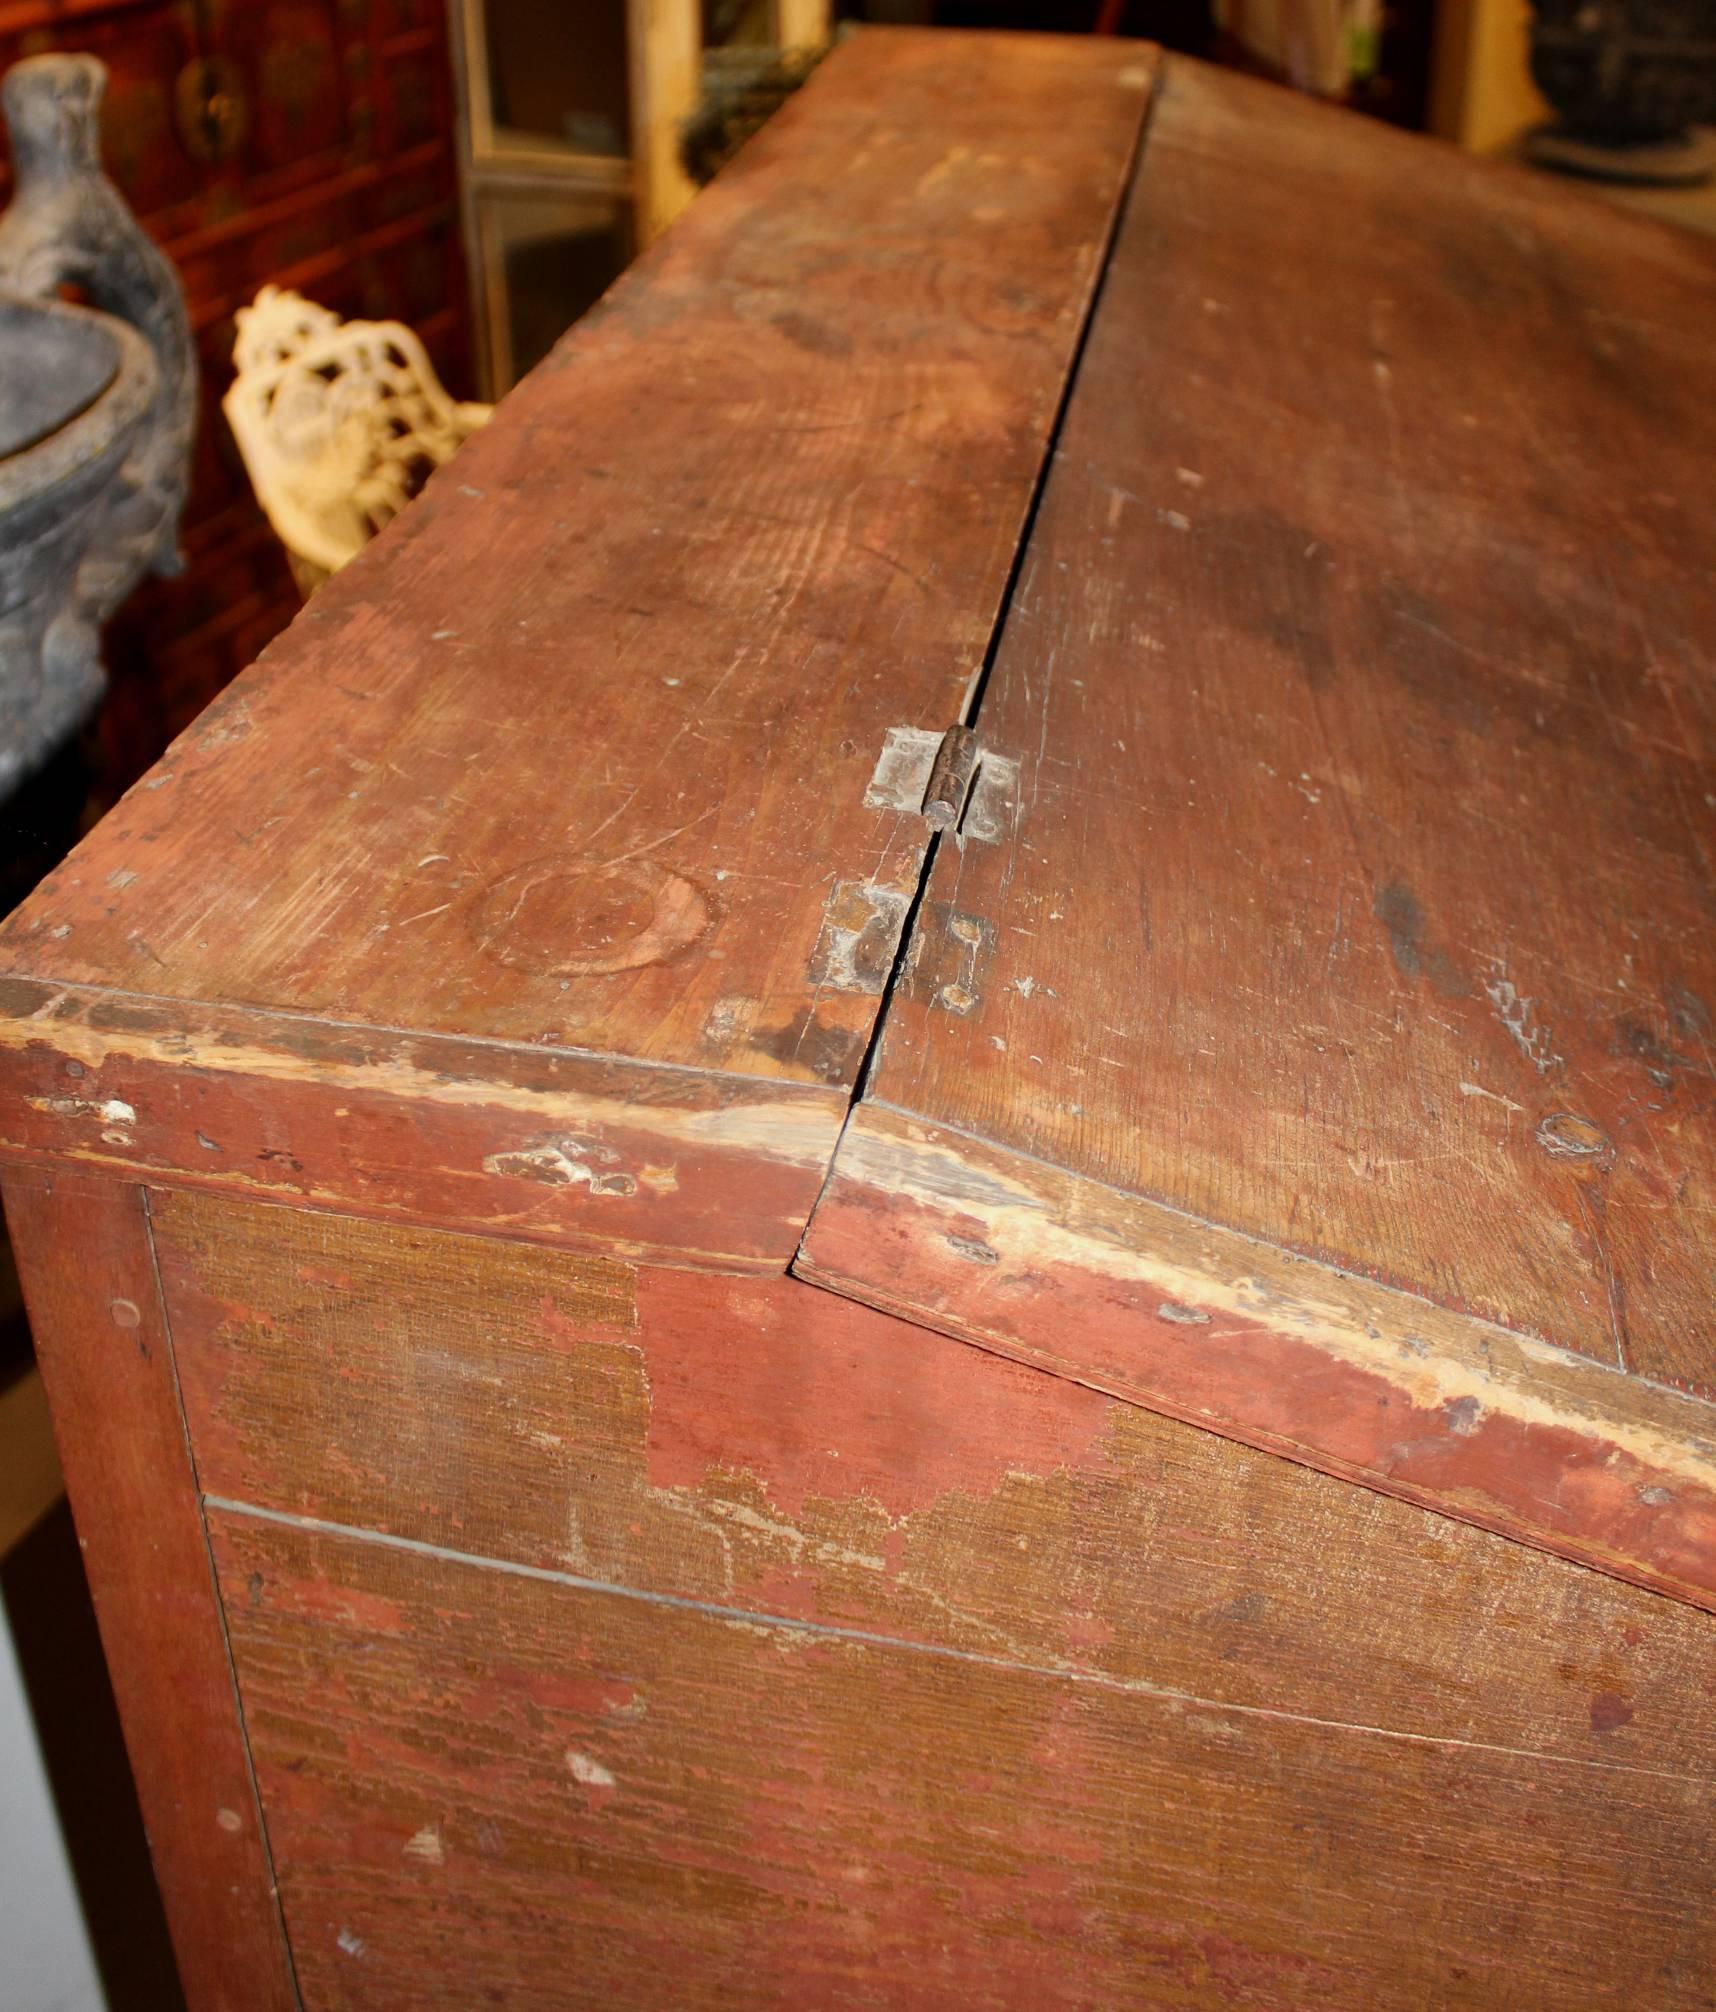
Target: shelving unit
[569,124]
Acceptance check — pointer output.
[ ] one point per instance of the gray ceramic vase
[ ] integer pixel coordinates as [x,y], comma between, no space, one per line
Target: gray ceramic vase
[97,409]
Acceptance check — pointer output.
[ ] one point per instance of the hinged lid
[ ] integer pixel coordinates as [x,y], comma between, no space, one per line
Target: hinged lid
[536,879]
[1324,1053]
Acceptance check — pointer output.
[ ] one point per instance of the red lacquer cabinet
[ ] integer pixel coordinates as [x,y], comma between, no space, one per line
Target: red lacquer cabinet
[307,142]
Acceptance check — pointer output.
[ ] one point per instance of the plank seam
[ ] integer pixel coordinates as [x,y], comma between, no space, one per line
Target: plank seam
[871,1638]
[972,711]
[220,1603]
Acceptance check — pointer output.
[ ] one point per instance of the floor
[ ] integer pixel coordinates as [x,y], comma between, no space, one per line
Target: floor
[81,1927]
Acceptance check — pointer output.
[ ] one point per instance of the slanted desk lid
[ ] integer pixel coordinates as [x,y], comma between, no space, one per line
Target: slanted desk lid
[546,875]
[1324,1051]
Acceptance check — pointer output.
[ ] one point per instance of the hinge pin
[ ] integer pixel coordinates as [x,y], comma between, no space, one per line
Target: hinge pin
[950,778]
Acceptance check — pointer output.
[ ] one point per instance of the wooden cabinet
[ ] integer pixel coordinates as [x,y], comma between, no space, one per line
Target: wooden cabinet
[888,1188]
[305,142]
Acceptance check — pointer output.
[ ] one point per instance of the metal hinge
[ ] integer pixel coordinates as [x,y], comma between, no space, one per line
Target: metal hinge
[950,780]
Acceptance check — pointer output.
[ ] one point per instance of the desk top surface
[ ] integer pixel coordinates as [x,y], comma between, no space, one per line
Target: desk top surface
[581,754]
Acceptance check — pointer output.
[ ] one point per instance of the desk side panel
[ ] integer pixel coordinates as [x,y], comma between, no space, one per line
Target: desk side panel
[775,1449]
[491,1786]
[83,1254]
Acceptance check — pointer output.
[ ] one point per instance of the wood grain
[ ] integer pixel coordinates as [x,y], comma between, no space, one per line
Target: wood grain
[1362,898]
[777,1449]
[575,756]
[701,1169]
[491,1787]
[1356,905]
[84,1260]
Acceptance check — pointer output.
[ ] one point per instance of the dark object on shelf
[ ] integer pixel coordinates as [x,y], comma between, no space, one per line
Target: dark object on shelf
[1630,80]
[743,88]
[97,410]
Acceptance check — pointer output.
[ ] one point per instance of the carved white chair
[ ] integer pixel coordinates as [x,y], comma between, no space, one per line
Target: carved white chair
[340,423]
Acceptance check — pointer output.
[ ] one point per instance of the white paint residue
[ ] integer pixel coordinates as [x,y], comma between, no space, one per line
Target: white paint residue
[113,1112]
[796,1541]
[352,1944]
[1478,1090]
[1514,1013]
[591,1773]
[426,1845]
[1448,1357]
[562,1163]
[798,1132]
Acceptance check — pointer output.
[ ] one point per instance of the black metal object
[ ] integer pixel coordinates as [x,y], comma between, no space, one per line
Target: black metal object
[1630,81]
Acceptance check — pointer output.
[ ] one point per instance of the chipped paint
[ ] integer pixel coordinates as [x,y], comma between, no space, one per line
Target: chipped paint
[1364,1381]
[106,1110]
[113,1114]
[565,1163]
[737,1447]
[795,1124]
[1515,1014]
[723,1168]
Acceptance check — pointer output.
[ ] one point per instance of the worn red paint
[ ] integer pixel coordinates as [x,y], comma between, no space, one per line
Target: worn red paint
[811,1401]
[1609,1712]
[351,1120]
[1573,1492]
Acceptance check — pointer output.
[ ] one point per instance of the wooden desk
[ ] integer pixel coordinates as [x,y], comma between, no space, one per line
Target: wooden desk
[688,1387]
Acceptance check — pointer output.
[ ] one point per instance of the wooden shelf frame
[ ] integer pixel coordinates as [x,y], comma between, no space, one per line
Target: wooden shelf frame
[664,52]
